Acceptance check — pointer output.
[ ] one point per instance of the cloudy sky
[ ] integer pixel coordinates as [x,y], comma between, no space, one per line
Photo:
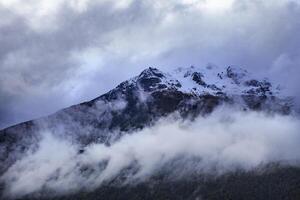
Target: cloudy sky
[55,53]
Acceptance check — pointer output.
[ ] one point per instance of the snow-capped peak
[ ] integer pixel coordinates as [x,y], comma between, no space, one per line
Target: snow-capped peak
[211,79]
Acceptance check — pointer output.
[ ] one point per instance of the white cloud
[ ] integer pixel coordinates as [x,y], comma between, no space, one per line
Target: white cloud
[222,142]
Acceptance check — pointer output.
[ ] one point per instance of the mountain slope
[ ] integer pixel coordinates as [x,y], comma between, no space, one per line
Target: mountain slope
[140,101]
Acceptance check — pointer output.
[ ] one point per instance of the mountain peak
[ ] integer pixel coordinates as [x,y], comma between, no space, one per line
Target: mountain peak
[151,79]
[212,80]
[151,72]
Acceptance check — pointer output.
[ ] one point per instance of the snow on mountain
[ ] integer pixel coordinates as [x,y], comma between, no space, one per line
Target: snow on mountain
[212,80]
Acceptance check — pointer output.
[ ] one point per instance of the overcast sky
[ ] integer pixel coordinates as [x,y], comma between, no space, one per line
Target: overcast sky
[55,53]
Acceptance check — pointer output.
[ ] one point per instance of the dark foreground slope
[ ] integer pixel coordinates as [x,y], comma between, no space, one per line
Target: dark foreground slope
[274,183]
[141,102]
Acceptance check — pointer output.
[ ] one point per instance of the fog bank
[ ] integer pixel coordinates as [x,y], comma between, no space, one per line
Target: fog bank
[222,142]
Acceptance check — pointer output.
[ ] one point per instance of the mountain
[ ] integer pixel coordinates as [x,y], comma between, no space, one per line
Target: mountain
[140,102]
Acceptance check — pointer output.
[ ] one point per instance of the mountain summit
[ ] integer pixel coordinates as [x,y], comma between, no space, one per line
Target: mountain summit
[210,80]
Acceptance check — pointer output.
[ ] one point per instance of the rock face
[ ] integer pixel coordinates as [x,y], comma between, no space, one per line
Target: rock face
[141,101]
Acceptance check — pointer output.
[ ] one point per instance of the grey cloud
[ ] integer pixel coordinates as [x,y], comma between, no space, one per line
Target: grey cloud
[38,65]
[77,55]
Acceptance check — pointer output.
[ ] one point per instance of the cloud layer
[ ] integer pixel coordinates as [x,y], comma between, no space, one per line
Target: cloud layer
[76,50]
[215,144]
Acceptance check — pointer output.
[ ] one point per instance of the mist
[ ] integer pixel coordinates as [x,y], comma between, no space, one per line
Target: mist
[222,142]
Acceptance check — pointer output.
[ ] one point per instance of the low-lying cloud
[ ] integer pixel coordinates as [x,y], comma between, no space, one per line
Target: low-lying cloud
[222,142]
